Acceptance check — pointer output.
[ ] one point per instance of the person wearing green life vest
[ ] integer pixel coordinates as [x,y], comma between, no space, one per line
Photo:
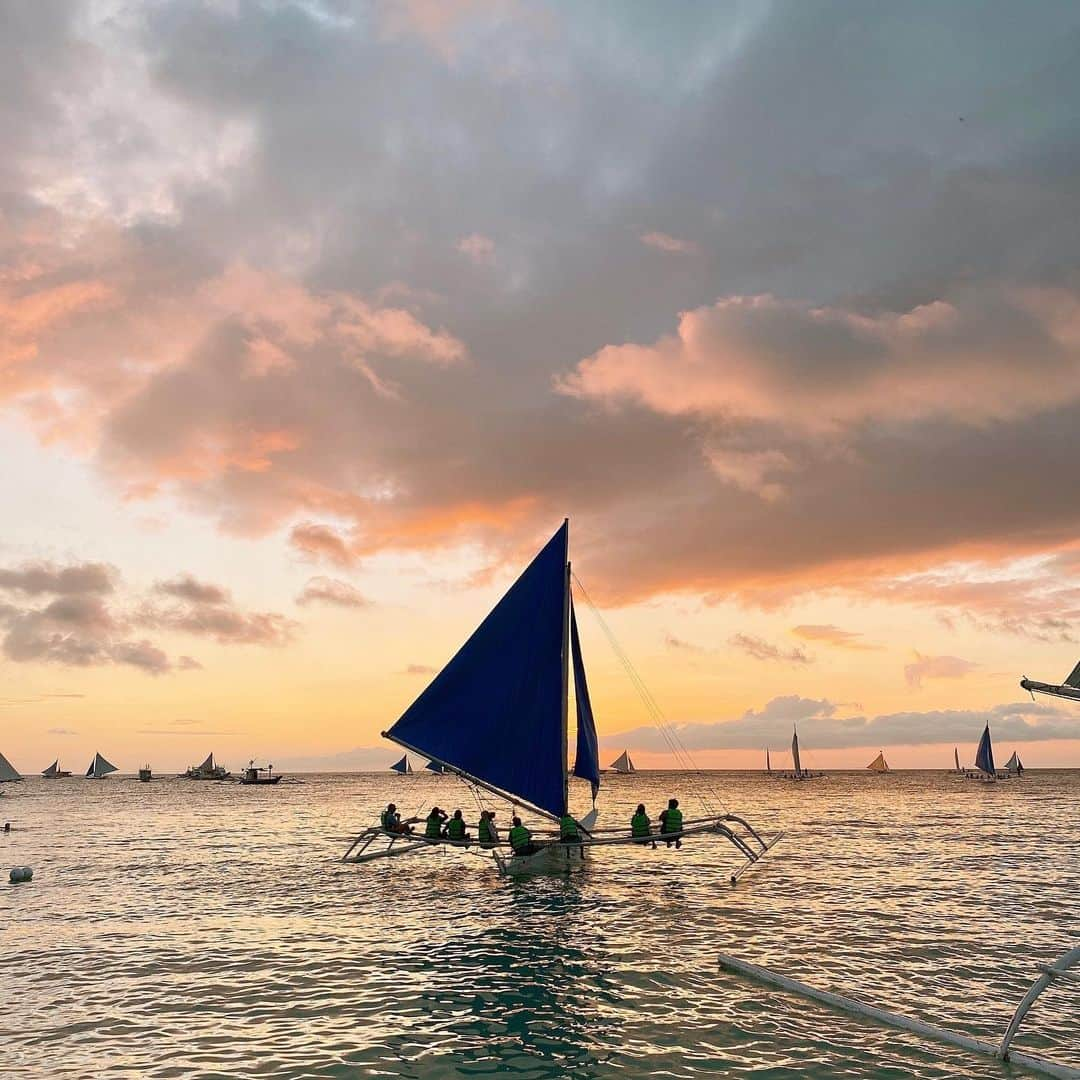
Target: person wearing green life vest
[433,825]
[455,827]
[641,826]
[391,821]
[671,822]
[521,841]
[570,832]
[486,832]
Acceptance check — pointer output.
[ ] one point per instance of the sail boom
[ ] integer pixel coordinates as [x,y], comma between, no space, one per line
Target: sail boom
[517,800]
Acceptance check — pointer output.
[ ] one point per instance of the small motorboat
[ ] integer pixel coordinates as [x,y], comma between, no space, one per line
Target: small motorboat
[145,775]
[256,774]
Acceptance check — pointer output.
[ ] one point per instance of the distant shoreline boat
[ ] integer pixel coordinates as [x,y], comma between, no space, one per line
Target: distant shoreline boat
[799,772]
[145,775]
[54,772]
[879,764]
[8,773]
[403,767]
[99,768]
[622,764]
[985,771]
[207,771]
[253,774]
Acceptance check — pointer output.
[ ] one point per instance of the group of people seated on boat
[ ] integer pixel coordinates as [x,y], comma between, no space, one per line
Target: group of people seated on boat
[439,825]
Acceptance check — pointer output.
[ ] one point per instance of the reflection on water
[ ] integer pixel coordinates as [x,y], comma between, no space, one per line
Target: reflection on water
[186,929]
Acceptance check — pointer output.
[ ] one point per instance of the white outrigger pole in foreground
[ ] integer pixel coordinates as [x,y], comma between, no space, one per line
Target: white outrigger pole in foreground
[496,716]
[1060,969]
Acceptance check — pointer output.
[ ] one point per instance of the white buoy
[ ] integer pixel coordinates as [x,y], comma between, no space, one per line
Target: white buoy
[20,873]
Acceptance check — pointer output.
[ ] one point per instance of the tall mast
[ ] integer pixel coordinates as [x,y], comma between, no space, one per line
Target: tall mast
[566,671]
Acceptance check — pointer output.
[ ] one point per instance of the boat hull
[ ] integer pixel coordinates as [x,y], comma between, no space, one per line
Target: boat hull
[553,858]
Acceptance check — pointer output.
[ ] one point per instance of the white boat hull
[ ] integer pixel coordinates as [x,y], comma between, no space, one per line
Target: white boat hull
[550,859]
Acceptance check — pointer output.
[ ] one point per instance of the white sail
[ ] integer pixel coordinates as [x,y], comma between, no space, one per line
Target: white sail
[623,764]
[53,769]
[879,764]
[208,764]
[795,752]
[1014,764]
[7,770]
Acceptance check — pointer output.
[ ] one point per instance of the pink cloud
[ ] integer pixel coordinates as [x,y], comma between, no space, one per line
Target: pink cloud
[671,244]
[937,667]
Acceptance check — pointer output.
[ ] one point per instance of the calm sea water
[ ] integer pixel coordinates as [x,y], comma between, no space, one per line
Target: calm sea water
[193,929]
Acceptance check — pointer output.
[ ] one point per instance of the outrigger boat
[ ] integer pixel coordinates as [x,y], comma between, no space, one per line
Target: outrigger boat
[622,764]
[402,766]
[54,772]
[984,762]
[8,773]
[496,716]
[879,764]
[207,771]
[99,768]
[254,774]
[798,773]
[1069,689]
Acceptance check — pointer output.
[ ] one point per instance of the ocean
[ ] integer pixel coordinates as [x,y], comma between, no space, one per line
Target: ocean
[186,929]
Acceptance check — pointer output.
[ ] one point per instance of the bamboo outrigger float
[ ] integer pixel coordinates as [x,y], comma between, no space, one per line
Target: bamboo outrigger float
[1059,970]
[496,716]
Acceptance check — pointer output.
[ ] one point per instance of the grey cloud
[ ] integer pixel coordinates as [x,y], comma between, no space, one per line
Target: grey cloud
[564,140]
[820,727]
[760,649]
[35,579]
[324,590]
[185,587]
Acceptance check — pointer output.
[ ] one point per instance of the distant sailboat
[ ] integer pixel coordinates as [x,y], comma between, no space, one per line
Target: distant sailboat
[1015,765]
[623,764]
[8,773]
[496,716]
[985,769]
[208,770]
[768,763]
[54,772]
[879,764]
[956,758]
[800,773]
[402,766]
[99,768]
[435,767]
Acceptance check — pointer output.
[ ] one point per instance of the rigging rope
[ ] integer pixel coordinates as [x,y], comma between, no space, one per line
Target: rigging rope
[704,790]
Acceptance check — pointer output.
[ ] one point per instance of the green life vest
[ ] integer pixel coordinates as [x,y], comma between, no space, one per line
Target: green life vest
[483,830]
[673,821]
[639,825]
[568,829]
[386,819]
[433,829]
[455,828]
[519,837]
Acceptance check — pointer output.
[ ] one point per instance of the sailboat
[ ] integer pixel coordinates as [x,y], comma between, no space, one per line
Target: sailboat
[799,772]
[985,769]
[208,770]
[768,762]
[54,772]
[402,766]
[8,773]
[623,764]
[1014,765]
[956,758]
[435,767]
[879,764]
[99,768]
[497,717]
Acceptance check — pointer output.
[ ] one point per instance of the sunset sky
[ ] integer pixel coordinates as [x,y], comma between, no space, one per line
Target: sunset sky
[317,318]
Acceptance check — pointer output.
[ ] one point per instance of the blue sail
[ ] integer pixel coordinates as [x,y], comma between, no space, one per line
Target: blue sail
[402,766]
[587,759]
[496,711]
[984,756]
